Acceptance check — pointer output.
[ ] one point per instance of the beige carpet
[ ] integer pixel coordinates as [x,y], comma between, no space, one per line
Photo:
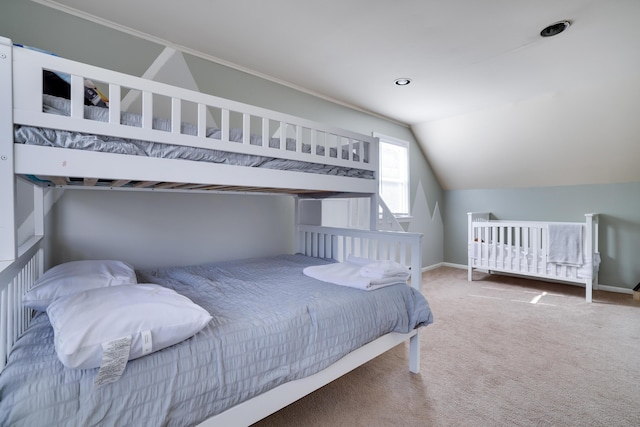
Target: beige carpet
[503,351]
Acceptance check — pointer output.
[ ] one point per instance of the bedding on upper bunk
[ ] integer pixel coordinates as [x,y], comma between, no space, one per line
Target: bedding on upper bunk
[78,140]
[270,324]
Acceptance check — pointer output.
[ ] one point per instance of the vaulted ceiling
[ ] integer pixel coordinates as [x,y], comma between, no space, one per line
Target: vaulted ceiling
[483,80]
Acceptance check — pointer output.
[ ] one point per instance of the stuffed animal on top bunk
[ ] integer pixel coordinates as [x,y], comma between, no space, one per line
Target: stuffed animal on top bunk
[59,84]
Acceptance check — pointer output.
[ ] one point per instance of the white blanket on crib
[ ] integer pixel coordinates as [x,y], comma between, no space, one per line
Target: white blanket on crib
[565,244]
[359,273]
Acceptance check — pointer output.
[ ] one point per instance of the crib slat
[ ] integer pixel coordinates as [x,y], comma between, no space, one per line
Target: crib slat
[536,248]
[518,250]
[501,254]
[493,244]
[544,244]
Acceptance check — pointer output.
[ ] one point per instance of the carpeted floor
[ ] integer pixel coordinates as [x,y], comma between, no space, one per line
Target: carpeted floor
[503,351]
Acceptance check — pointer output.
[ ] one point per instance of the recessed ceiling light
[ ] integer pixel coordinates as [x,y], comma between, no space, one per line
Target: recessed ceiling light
[403,81]
[555,29]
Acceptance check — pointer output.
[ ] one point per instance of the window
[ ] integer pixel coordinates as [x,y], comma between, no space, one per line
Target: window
[394,174]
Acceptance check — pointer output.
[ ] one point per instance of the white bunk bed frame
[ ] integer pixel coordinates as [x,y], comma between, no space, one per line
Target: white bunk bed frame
[21,75]
[488,241]
[21,263]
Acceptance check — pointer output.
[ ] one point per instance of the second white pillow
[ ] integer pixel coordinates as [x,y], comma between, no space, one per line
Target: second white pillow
[76,276]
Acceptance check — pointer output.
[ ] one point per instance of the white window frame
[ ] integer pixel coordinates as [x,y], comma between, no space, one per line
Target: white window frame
[385,139]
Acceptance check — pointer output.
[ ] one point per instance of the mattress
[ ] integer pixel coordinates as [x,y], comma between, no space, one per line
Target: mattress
[271,324]
[82,141]
[482,255]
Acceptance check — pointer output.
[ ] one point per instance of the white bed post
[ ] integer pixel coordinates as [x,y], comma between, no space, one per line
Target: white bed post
[8,246]
[590,250]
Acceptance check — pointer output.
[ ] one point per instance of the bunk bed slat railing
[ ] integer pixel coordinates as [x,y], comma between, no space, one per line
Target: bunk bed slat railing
[14,282]
[77,97]
[27,88]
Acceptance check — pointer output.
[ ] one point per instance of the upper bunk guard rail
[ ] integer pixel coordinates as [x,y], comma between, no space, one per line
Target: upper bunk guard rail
[27,96]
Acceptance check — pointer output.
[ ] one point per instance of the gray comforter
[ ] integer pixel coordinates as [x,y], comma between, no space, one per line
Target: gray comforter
[271,324]
[82,141]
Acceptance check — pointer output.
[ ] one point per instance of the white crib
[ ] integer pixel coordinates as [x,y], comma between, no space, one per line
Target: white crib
[523,247]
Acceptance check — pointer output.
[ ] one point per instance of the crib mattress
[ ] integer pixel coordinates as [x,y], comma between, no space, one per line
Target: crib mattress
[82,141]
[271,324]
[515,259]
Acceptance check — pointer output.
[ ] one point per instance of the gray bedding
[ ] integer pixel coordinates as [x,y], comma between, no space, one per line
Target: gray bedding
[77,140]
[271,324]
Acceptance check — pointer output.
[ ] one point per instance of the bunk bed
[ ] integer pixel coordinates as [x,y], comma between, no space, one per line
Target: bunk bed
[556,251]
[274,153]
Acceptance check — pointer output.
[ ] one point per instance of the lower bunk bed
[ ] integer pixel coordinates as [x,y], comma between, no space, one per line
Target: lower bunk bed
[556,251]
[275,334]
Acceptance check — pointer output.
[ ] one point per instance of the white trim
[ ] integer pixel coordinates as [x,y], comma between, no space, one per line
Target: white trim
[453,265]
[616,289]
[145,36]
[433,267]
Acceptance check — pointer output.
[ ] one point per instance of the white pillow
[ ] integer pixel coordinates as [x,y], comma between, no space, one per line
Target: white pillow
[84,320]
[76,276]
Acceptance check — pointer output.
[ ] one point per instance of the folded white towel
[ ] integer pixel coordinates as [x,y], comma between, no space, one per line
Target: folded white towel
[348,274]
[565,244]
[385,269]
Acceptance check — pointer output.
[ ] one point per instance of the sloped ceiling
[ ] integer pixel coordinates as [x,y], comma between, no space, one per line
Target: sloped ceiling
[491,103]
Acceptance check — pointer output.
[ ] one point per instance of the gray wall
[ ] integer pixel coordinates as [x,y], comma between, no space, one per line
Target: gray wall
[617,204]
[149,229]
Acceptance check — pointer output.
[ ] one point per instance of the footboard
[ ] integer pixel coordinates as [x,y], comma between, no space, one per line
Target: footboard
[523,248]
[339,243]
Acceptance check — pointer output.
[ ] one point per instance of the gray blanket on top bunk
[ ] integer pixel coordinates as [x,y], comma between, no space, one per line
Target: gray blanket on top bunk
[271,324]
[78,140]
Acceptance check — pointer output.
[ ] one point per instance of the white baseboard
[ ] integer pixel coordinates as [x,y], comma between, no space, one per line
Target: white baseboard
[614,289]
[450,264]
[598,287]
[433,267]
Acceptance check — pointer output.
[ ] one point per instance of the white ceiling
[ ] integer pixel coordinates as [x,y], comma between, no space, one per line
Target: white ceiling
[462,55]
